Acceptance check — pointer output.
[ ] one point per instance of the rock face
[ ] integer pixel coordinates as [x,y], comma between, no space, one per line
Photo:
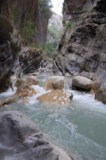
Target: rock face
[30,59]
[100,86]
[9,47]
[18,13]
[21,140]
[82,47]
[83,83]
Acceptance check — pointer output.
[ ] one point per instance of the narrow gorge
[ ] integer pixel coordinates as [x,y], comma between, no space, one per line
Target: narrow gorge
[52,80]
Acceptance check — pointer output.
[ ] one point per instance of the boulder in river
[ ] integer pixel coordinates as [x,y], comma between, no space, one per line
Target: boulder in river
[20,139]
[26,80]
[58,97]
[55,83]
[82,83]
[25,92]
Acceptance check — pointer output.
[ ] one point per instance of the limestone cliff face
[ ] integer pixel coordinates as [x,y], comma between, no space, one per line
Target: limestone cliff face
[19,11]
[9,47]
[82,47]
[14,14]
[41,24]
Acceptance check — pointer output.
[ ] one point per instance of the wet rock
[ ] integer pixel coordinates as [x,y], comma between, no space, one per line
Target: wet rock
[20,139]
[101,93]
[24,89]
[8,100]
[99,85]
[25,92]
[58,97]
[55,83]
[83,83]
[26,81]
[30,59]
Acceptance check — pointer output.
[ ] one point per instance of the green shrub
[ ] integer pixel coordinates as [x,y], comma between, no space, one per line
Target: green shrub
[50,49]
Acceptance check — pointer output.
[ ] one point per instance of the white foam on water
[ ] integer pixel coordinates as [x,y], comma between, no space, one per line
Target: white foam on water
[40,91]
[87,101]
[8,93]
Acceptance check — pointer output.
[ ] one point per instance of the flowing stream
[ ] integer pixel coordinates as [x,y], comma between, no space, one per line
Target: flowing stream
[80,128]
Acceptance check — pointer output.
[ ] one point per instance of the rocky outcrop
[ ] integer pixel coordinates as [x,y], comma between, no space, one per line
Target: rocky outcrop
[82,48]
[10,45]
[17,12]
[30,17]
[30,59]
[20,139]
[100,85]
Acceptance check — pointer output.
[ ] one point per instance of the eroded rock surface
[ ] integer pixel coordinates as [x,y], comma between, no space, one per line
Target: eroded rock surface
[9,47]
[82,49]
[30,59]
[21,140]
[100,85]
[56,97]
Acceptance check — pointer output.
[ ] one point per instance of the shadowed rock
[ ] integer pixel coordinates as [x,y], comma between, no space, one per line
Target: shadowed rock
[21,140]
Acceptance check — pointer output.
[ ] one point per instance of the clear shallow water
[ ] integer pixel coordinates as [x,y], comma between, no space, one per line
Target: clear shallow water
[79,128]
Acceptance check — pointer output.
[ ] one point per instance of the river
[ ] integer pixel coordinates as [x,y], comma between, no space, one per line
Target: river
[79,128]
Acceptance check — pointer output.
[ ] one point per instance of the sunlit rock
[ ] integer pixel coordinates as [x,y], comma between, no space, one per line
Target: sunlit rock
[58,97]
[83,83]
[54,83]
[25,91]
[26,80]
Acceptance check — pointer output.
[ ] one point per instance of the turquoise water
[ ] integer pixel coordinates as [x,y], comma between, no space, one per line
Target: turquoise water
[80,128]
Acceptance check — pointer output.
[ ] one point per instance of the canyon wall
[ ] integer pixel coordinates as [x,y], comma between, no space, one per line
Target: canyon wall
[13,17]
[82,49]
